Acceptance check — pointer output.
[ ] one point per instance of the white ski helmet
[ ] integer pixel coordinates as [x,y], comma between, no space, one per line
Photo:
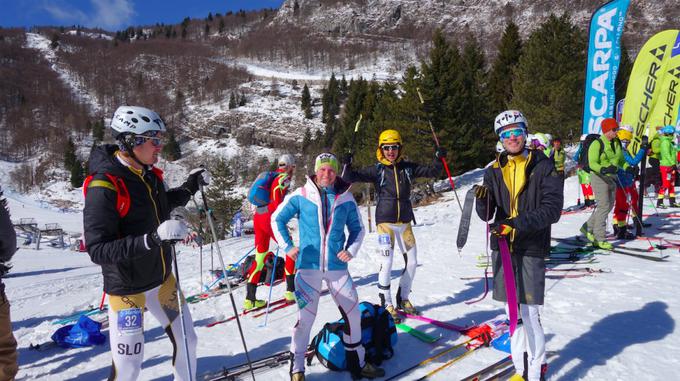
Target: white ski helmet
[530,138]
[499,147]
[135,120]
[286,161]
[542,139]
[507,118]
[550,138]
[626,127]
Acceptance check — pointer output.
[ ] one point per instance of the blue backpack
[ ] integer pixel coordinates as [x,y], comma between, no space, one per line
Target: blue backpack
[258,194]
[85,333]
[378,336]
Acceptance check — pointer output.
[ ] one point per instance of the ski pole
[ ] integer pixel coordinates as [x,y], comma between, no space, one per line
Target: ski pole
[635,216]
[219,278]
[179,304]
[271,286]
[200,244]
[436,142]
[231,295]
[354,138]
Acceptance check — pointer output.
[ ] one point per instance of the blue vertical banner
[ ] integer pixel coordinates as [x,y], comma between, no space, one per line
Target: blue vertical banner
[604,55]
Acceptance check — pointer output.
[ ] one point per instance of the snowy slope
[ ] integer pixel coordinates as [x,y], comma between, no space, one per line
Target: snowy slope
[617,325]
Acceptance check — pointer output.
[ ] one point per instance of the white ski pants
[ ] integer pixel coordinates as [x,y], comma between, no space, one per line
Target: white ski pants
[402,234]
[530,338]
[307,293]
[126,326]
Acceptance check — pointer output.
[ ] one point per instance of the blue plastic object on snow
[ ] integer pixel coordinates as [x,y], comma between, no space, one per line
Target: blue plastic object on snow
[502,342]
[85,333]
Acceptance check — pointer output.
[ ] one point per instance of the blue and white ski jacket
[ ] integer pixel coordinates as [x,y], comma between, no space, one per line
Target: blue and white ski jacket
[322,217]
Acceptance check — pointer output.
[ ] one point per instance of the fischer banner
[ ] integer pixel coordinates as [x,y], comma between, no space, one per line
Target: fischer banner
[604,55]
[645,84]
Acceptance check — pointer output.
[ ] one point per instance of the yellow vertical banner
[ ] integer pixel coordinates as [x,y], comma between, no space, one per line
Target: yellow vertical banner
[646,84]
[665,111]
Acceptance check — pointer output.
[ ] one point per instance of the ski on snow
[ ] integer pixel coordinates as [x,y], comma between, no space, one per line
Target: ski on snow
[619,249]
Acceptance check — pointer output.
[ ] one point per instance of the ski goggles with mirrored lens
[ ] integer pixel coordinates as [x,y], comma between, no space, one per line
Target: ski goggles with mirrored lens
[391,147]
[515,132]
[154,136]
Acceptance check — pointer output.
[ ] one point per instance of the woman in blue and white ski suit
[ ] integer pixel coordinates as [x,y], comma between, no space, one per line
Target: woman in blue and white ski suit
[324,207]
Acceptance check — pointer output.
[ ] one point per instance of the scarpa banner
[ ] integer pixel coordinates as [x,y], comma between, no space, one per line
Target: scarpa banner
[645,83]
[604,55]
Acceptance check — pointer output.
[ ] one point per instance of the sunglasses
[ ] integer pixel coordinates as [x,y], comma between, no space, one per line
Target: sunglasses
[393,147]
[156,139]
[515,132]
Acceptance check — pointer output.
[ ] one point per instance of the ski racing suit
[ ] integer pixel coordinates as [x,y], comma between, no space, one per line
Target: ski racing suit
[668,167]
[625,190]
[263,234]
[137,272]
[323,214]
[527,190]
[393,216]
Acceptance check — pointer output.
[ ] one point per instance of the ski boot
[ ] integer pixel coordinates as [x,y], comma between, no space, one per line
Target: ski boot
[604,245]
[369,371]
[299,376]
[589,235]
[407,307]
[393,312]
[516,377]
[290,297]
[616,229]
[659,204]
[672,203]
[250,304]
[623,233]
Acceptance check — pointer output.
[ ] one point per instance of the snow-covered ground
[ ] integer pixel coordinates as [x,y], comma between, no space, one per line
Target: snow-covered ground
[610,326]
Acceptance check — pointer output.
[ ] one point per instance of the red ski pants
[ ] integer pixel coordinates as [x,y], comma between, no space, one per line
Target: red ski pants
[621,207]
[263,234]
[587,192]
[667,182]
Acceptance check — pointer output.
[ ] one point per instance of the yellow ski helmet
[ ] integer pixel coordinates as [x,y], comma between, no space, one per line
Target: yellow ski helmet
[389,137]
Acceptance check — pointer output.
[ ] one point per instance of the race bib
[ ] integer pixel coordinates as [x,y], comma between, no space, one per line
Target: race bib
[384,245]
[130,321]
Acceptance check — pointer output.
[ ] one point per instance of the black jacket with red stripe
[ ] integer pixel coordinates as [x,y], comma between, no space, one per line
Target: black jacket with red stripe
[130,263]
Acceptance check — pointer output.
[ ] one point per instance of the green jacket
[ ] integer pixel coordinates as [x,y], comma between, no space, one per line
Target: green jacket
[559,158]
[669,154]
[612,154]
[656,147]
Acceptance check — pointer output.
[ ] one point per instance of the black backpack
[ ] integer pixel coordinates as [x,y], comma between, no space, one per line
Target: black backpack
[583,158]
[266,275]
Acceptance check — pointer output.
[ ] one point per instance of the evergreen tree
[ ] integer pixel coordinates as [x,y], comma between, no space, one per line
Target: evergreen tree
[171,150]
[242,100]
[306,141]
[476,139]
[70,157]
[330,101]
[625,67]
[77,174]
[54,41]
[98,130]
[548,87]
[306,102]
[343,87]
[232,101]
[501,75]
[220,28]
[207,30]
[223,199]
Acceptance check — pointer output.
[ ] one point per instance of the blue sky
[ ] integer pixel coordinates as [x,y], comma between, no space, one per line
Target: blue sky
[116,14]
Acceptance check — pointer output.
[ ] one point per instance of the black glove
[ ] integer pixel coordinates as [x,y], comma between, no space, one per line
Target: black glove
[644,143]
[481,191]
[440,153]
[502,228]
[347,158]
[608,170]
[197,176]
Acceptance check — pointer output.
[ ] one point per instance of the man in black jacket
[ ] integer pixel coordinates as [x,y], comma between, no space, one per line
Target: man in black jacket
[8,345]
[129,233]
[392,177]
[524,193]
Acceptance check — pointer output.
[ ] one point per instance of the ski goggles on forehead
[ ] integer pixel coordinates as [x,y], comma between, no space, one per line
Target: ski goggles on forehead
[512,133]
[155,137]
[390,147]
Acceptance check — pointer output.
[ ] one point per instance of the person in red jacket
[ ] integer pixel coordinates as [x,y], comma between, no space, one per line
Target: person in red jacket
[263,234]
